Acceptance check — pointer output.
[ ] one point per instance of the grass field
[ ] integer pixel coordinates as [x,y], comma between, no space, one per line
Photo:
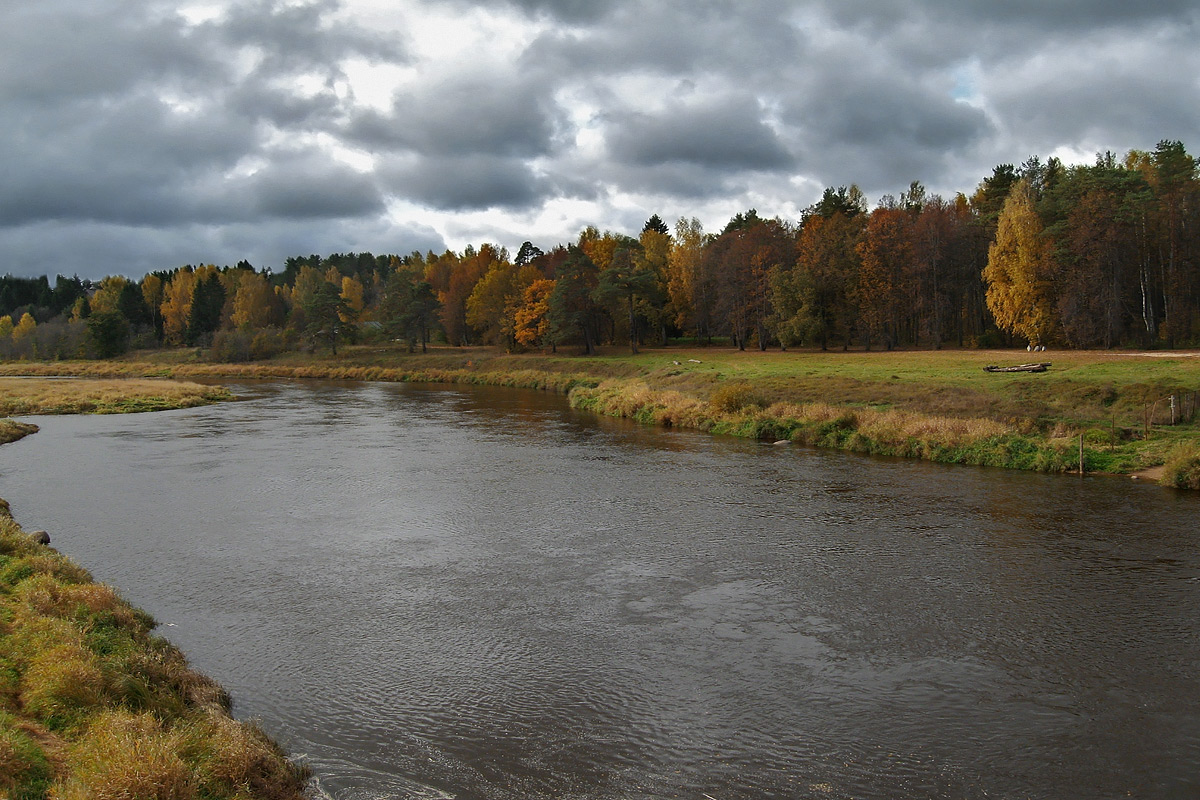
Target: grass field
[940,405]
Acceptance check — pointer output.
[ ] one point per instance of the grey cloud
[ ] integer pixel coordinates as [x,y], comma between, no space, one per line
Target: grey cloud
[749,41]
[1036,17]
[471,182]
[469,114]
[725,134]
[302,36]
[309,186]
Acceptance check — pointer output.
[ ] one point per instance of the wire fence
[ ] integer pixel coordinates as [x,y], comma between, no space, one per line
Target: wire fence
[1171,410]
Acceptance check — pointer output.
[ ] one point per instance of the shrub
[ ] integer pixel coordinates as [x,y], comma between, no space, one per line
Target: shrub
[731,398]
[1182,467]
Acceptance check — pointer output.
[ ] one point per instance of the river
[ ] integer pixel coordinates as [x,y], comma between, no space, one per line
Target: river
[434,592]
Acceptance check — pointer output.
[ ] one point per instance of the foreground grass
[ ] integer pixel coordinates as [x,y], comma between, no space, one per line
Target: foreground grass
[936,405]
[93,706]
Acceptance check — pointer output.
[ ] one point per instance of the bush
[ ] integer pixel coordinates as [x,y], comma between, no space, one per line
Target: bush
[734,397]
[1182,468]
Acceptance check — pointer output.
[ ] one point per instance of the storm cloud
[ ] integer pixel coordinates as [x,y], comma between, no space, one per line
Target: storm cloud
[141,134]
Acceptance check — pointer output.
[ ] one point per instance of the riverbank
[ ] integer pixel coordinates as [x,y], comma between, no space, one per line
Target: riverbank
[941,406]
[31,395]
[92,705]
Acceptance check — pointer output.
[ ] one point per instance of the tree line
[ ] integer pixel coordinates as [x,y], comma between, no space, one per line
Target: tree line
[1086,256]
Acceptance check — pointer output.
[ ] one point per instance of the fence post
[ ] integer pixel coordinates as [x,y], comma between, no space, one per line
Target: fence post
[1081,454]
[1172,409]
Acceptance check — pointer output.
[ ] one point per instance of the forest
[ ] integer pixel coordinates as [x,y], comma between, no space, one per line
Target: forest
[1090,256]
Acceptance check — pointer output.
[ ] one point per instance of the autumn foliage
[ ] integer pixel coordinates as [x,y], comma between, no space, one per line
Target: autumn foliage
[1084,256]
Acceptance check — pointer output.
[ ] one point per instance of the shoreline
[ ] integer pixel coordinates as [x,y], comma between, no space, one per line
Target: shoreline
[92,704]
[968,419]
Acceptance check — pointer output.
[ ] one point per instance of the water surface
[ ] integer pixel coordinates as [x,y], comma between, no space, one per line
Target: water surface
[480,594]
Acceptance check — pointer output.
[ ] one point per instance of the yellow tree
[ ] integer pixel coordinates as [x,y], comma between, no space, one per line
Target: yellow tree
[107,296]
[177,305]
[493,303]
[152,296]
[352,299]
[1017,273]
[683,267]
[22,336]
[655,256]
[532,319]
[255,305]
[6,328]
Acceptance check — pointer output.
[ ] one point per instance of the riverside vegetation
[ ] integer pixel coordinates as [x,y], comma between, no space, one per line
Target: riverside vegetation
[95,707]
[935,405]
[92,705]
[26,396]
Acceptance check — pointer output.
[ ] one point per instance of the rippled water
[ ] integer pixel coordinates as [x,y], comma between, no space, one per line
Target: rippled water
[437,592]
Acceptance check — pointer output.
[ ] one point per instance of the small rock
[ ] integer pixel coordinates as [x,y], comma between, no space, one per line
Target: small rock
[41,537]
[783,441]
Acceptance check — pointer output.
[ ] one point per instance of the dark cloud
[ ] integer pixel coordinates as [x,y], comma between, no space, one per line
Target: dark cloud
[309,185]
[724,134]
[467,183]
[468,114]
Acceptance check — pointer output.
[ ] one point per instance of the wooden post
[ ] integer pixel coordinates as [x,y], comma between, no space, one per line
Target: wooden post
[1172,409]
[1081,454]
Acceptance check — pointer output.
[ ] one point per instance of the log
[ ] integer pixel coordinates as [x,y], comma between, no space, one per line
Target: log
[1041,367]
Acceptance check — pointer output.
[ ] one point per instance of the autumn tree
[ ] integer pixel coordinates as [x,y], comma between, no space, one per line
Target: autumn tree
[654,256]
[152,297]
[532,319]
[689,295]
[814,297]
[177,305]
[885,255]
[256,305]
[1017,272]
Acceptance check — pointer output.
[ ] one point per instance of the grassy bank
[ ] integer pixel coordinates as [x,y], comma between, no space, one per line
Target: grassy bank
[25,396]
[940,405]
[11,430]
[93,706]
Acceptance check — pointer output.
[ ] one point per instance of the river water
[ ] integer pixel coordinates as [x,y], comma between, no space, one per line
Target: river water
[480,594]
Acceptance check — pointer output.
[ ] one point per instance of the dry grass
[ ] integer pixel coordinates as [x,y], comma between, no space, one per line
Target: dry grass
[93,706]
[27,396]
[125,756]
[11,430]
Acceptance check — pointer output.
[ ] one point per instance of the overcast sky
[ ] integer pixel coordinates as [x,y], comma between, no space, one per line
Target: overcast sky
[141,135]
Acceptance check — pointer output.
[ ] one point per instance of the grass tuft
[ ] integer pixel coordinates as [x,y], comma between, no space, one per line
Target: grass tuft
[1182,467]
